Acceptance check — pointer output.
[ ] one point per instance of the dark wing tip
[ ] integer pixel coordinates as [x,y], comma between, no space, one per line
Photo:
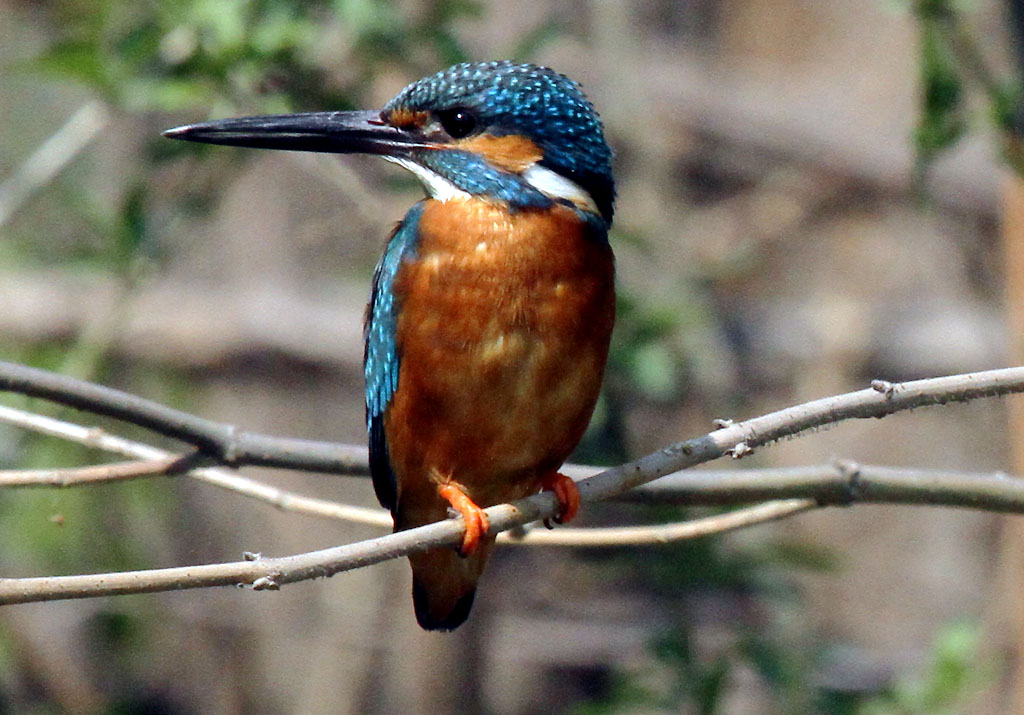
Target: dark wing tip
[450,621]
[384,483]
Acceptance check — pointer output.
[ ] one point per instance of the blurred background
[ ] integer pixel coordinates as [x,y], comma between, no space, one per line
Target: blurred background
[811,195]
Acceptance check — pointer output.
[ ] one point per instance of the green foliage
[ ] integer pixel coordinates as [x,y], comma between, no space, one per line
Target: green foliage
[952,677]
[942,121]
[695,663]
[697,685]
[951,65]
[642,351]
[695,681]
[534,41]
[257,55]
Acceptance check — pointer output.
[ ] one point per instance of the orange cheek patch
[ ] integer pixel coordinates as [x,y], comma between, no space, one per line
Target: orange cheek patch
[406,118]
[512,153]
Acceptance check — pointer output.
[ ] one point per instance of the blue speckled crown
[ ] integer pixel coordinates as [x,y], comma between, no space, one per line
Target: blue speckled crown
[534,101]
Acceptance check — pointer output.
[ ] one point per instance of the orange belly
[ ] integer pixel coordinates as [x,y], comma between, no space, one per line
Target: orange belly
[503,335]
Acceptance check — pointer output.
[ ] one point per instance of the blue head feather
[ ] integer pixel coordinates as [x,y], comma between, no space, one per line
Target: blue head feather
[525,99]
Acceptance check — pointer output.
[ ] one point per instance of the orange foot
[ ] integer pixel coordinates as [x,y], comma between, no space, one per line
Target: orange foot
[476,521]
[566,491]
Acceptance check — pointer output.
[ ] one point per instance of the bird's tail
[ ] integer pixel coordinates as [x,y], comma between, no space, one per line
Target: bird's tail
[444,583]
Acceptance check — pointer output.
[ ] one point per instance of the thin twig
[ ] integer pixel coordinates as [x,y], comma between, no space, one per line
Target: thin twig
[225,444]
[664,533]
[78,476]
[841,483]
[279,498]
[737,439]
[296,503]
[50,158]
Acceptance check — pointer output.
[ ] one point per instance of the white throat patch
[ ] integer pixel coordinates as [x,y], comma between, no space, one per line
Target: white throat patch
[550,183]
[437,186]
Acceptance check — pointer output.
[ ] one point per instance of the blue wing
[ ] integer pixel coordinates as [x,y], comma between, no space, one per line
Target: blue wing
[380,357]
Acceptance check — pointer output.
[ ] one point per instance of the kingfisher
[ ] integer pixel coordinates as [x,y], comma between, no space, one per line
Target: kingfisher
[491,310]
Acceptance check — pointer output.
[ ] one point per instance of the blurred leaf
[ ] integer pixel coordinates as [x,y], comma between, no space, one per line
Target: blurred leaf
[771,663]
[797,554]
[642,352]
[534,41]
[362,17]
[1008,108]
[654,371]
[115,629]
[132,233]
[222,26]
[450,49]
[930,10]
[953,670]
[942,121]
[710,689]
[446,12]
[951,679]
[167,95]
[74,59]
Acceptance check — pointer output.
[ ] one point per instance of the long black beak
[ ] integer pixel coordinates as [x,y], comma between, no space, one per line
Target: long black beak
[332,132]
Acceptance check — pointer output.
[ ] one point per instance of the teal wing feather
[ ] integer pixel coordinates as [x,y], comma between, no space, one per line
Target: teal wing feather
[381,358]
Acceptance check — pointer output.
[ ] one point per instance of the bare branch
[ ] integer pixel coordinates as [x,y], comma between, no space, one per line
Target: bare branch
[272,573]
[280,498]
[224,444]
[227,444]
[739,438]
[76,476]
[51,157]
[663,533]
[842,483]
[289,501]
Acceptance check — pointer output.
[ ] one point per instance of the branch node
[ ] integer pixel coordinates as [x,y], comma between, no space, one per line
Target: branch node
[266,583]
[849,471]
[252,555]
[229,450]
[720,423]
[885,387]
[185,463]
[94,436]
[741,450]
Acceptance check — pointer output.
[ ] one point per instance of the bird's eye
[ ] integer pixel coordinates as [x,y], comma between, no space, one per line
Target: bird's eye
[458,123]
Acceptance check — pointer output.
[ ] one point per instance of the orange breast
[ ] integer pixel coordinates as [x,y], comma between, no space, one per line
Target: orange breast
[503,335]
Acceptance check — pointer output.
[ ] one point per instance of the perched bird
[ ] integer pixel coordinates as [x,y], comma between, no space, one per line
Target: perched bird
[491,311]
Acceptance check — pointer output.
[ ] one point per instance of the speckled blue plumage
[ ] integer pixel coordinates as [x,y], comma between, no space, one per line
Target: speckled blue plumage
[381,360]
[533,101]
